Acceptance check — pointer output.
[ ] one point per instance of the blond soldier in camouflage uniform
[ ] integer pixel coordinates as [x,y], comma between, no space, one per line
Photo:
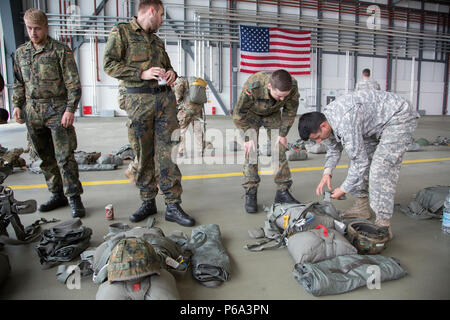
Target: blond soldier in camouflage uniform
[350,122]
[367,83]
[137,57]
[46,92]
[269,100]
[188,113]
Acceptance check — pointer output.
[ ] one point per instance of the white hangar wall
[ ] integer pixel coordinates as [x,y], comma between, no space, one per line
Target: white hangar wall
[337,76]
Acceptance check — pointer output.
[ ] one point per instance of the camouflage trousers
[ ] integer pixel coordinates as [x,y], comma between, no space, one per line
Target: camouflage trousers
[385,167]
[55,146]
[185,118]
[282,176]
[153,119]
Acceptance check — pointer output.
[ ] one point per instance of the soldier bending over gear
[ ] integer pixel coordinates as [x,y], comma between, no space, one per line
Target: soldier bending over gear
[46,93]
[137,57]
[374,128]
[270,101]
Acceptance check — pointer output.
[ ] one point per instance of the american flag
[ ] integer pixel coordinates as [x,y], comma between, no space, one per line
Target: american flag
[270,49]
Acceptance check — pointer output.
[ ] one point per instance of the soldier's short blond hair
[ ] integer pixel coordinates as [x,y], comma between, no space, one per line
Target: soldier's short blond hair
[36,16]
[144,4]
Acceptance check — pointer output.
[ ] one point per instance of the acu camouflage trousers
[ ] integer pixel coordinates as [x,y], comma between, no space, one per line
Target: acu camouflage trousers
[54,145]
[386,154]
[282,176]
[153,119]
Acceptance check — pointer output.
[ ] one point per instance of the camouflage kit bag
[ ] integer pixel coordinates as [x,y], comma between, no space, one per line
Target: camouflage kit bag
[286,219]
[428,203]
[345,273]
[197,91]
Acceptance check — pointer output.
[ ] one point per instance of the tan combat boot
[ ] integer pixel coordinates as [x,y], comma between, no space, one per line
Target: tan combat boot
[360,209]
[385,223]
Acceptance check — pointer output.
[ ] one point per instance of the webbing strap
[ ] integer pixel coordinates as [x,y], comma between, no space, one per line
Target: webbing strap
[347,268]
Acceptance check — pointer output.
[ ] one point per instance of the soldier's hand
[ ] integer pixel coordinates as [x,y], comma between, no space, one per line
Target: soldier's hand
[248,146]
[337,193]
[170,77]
[326,180]
[67,119]
[17,115]
[153,73]
[283,141]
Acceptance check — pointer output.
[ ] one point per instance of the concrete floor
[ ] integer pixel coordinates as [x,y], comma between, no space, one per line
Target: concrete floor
[420,245]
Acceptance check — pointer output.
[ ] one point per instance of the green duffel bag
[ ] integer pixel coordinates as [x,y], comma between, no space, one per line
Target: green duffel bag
[345,273]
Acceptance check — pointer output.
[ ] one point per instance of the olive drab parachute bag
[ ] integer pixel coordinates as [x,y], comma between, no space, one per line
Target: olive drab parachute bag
[317,245]
[210,262]
[197,90]
[134,273]
[154,287]
[63,242]
[345,273]
[428,203]
[286,219]
[171,256]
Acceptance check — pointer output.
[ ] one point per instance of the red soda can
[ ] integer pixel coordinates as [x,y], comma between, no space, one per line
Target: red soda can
[109,212]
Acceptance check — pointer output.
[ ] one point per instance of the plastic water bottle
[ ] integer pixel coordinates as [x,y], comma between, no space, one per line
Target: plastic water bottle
[446,216]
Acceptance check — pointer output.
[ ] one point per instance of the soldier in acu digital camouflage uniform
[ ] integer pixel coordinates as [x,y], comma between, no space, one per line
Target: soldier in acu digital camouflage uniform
[137,57]
[269,100]
[188,113]
[45,96]
[367,83]
[352,122]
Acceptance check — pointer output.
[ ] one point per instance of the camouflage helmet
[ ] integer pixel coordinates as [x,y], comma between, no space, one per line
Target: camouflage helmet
[132,258]
[368,238]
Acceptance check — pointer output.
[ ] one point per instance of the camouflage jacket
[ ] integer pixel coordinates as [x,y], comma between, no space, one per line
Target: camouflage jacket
[46,73]
[130,50]
[255,98]
[367,84]
[356,117]
[181,90]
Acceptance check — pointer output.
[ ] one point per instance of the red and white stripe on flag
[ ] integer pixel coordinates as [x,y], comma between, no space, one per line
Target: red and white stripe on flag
[270,49]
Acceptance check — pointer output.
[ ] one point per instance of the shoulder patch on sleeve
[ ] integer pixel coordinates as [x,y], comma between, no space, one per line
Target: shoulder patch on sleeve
[254,85]
[248,92]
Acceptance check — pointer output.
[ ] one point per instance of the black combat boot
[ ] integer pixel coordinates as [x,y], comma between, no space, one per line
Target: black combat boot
[284,196]
[251,205]
[176,214]
[57,200]
[78,210]
[147,209]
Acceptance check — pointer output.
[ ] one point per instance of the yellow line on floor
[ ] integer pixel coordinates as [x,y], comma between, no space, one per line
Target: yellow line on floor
[214,175]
